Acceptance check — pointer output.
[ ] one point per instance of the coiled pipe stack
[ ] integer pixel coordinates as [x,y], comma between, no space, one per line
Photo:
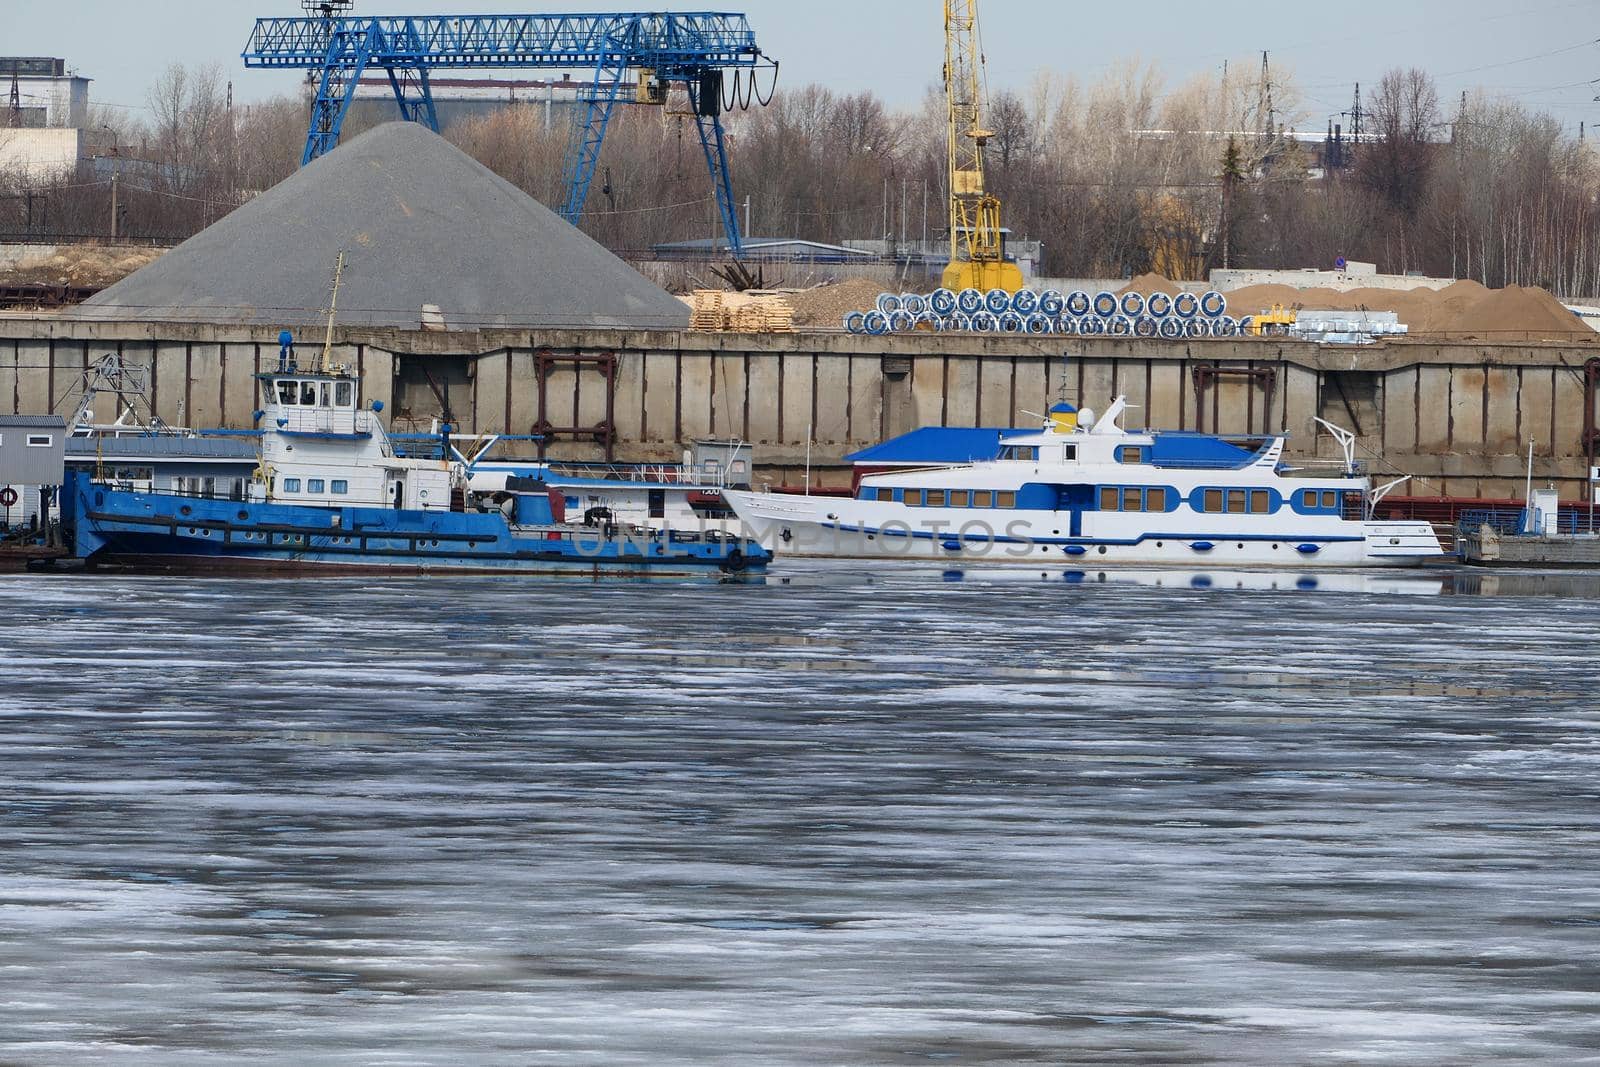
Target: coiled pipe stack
[1029,311]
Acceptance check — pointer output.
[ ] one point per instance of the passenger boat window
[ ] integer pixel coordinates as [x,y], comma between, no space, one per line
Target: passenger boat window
[913,498]
[291,485]
[959,498]
[1308,498]
[1022,452]
[1006,499]
[308,394]
[314,485]
[1131,500]
[935,498]
[287,392]
[1155,500]
[339,486]
[1260,502]
[344,394]
[1213,501]
[1236,501]
[327,394]
[1110,498]
[983,498]
[1069,453]
[1128,454]
[1330,499]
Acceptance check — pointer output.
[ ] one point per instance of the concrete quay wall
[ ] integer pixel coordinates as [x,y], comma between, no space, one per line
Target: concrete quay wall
[1457,416]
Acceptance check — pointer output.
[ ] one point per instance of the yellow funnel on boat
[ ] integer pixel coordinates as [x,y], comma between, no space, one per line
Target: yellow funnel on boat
[1063,418]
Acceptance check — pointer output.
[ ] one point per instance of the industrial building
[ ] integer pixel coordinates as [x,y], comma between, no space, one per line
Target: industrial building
[31,463]
[458,100]
[47,106]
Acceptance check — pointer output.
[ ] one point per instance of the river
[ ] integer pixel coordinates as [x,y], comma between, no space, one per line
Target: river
[853,815]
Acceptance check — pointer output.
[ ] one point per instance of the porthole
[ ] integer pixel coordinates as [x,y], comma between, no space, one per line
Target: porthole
[1102,550]
[243,515]
[186,510]
[1274,548]
[1161,544]
[1241,545]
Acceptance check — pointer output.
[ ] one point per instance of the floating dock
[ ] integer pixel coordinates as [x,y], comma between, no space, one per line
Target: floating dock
[1489,547]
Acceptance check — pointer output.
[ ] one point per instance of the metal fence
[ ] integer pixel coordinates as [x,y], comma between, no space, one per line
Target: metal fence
[1509,521]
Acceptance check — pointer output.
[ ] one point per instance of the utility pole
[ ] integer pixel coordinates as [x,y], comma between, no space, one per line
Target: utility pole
[1269,114]
[925,214]
[233,149]
[904,229]
[114,177]
[14,115]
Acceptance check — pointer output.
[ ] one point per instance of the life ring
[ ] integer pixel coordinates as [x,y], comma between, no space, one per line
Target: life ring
[8,496]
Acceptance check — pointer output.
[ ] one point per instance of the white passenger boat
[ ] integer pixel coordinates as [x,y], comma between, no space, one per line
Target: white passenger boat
[1086,489]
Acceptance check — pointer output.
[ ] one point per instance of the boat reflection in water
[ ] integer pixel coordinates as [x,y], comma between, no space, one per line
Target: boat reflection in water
[1384,583]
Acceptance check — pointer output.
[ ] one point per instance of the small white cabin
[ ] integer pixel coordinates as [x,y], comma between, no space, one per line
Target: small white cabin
[320,447]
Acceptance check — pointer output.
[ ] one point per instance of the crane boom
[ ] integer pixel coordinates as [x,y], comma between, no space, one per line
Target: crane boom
[977,244]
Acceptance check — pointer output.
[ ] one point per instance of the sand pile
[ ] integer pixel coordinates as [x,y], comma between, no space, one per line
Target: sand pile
[87,265]
[1519,314]
[827,305]
[1463,310]
[1146,284]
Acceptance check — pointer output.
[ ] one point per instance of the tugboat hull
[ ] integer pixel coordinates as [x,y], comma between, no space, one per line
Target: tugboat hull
[114,528]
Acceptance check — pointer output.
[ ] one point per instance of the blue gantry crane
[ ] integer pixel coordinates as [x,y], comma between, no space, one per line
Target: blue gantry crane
[635,58]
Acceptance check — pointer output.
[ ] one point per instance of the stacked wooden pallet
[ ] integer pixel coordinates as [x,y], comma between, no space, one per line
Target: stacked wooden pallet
[717,311]
[706,310]
[764,315]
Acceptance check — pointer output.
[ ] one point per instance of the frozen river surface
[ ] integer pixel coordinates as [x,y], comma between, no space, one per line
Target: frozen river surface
[858,818]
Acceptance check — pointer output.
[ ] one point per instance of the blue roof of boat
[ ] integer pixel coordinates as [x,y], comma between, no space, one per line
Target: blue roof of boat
[164,446]
[1198,451]
[934,445]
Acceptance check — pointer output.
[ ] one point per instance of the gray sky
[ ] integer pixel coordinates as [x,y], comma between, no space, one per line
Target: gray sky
[1543,52]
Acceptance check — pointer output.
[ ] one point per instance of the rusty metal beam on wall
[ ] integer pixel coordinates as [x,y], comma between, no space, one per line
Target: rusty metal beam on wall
[1206,375]
[603,433]
[1591,420]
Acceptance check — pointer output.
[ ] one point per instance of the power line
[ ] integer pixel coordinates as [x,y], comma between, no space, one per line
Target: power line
[1524,59]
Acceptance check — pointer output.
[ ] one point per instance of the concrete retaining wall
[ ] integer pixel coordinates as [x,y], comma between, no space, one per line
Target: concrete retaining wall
[1458,416]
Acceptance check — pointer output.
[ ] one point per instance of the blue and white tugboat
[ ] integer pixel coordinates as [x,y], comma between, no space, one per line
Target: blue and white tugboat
[1086,489]
[330,495]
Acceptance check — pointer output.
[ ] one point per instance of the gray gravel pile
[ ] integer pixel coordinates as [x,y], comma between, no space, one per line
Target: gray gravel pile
[422,225]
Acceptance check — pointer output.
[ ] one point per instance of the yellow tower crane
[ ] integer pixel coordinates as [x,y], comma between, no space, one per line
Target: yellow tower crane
[977,245]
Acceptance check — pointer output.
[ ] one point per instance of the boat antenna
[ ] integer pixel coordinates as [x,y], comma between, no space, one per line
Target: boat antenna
[333,311]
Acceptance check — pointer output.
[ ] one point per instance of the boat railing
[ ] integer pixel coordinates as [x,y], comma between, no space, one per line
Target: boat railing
[1509,522]
[135,485]
[321,420]
[644,473]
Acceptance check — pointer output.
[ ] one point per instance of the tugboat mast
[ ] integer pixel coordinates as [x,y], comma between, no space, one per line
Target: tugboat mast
[333,310]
